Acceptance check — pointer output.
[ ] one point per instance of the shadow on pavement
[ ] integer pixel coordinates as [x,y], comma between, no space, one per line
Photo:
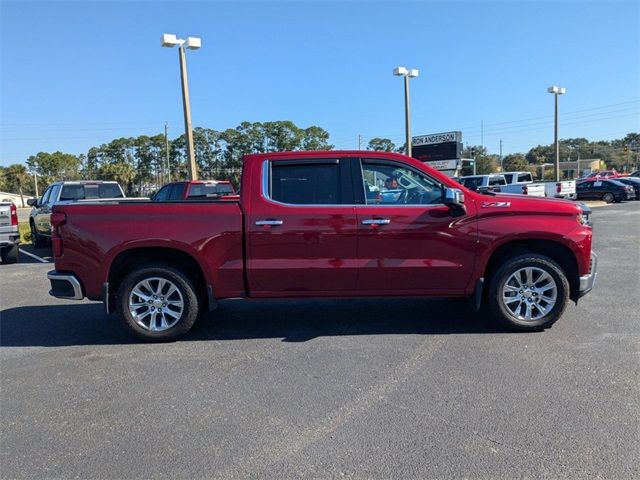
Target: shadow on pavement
[292,320]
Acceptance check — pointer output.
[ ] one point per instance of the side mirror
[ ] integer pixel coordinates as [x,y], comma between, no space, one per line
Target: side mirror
[32,202]
[454,198]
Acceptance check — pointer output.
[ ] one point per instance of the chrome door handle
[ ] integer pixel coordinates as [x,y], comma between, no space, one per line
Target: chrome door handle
[269,222]
[377,221]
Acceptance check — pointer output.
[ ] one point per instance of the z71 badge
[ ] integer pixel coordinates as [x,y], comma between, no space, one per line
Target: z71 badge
[496,204]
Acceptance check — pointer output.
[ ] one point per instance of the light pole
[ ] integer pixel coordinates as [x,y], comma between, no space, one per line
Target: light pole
[192,43]
[556,91]
[407,74]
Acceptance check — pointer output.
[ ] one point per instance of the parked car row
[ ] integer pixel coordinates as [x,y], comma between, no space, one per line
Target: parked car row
[609,190]
[519,183]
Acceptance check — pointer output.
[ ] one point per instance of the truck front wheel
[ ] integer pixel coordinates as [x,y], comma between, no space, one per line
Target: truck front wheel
[157,303]
[528,292]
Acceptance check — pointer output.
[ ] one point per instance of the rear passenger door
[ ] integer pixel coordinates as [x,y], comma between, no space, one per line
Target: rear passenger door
[301,229]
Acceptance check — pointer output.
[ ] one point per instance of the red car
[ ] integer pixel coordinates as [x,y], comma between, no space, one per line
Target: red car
[196,190]
[305,227]
[606,174]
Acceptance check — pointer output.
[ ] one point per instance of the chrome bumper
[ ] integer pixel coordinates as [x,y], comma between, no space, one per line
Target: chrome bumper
[65,285]
[588,281]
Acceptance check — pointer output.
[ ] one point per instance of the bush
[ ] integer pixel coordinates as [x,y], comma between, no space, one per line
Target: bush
[25,232]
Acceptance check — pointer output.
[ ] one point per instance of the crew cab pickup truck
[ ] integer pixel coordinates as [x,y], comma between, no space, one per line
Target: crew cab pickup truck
[304,227]
[65,192]
[522,182]
[9,235]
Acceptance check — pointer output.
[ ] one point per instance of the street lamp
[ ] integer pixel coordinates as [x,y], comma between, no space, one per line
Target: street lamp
[192,43]
[556,91]
[407,74]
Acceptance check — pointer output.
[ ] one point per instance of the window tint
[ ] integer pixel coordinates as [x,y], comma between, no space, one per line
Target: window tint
[525,177]
[90,191]
[53,196]
[508,177]
[471,183]
[45,196]
[306,184]
[496,181]
[204,190]
[392,184]
[162,195]
[176,191]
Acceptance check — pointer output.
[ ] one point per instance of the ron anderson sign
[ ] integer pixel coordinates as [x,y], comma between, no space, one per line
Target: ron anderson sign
[435,138]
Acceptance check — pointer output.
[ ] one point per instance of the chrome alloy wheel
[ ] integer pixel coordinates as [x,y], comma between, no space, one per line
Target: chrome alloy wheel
[529,293]
[156,304]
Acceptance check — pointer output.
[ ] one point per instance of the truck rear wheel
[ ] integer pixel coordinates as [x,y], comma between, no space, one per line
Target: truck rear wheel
[157,303]
[528,292]
[37,240]
[9,254]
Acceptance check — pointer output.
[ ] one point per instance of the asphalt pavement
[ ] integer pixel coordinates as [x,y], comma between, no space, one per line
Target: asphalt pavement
[368,388]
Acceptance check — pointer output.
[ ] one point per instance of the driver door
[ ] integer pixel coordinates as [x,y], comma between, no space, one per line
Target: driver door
[407,239]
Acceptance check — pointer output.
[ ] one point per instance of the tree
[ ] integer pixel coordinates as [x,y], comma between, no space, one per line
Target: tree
[17,179]
[514,162]
[378,144]
[55,166]
[315,138]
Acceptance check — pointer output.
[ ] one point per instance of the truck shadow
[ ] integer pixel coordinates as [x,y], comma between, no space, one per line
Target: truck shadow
[291,320]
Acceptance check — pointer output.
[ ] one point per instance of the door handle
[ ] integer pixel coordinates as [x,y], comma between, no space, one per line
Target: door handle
[377,221]
[269,222]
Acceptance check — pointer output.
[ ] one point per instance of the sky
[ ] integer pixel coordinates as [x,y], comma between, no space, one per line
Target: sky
[79,74]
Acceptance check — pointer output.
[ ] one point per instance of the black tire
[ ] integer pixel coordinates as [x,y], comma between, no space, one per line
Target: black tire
[37,240]
[189,299]
[502,313]
[608,197]
[9,254]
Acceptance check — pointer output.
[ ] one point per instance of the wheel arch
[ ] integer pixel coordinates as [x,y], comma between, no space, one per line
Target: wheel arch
[556,251]
[134,258]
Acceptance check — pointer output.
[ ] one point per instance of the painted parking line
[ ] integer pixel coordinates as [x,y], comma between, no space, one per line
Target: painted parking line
[40,259]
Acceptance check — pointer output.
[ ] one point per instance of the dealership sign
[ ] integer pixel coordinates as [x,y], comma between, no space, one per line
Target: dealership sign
[436,138]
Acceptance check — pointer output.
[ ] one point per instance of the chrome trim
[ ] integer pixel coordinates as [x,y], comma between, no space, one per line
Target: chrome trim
[75,284]
[588,281]
[377,221]
[269,222]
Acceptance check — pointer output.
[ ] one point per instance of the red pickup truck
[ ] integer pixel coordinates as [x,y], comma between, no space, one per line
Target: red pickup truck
[325,224]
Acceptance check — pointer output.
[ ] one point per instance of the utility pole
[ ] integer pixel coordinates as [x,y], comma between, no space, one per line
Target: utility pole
[556,91]
[501,154]
[166,142]
[482,133]
[359,142]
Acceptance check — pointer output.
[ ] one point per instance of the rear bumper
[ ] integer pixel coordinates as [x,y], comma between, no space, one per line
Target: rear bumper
[588,281]
[65,285]
[9,239]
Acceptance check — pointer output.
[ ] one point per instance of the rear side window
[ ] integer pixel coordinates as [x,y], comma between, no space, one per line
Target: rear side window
[176,191]
[471,182]
[525,177]
[306,184]
[497,181]
[508,177]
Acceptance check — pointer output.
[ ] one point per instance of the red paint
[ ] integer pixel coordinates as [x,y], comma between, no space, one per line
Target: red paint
[318,250]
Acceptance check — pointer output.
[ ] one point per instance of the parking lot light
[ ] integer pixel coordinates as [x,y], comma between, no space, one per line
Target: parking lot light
[169,40]
[407,74]
[556,91]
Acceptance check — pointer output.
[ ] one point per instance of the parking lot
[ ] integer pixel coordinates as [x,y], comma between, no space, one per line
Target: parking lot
[365,388]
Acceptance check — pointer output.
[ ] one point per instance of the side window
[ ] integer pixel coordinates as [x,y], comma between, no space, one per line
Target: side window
[524,177]
[162,195]
[509,177]
[53,196]
[496,181]
[306,183]
[176,191]
[393,184]
[45,196]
